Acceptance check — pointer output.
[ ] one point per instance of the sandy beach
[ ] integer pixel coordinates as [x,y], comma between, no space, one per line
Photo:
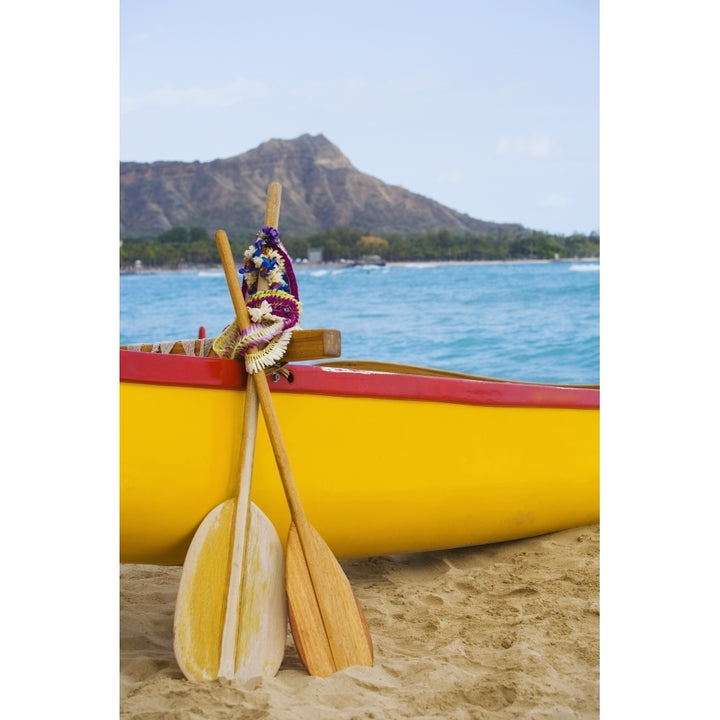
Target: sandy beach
[509,630]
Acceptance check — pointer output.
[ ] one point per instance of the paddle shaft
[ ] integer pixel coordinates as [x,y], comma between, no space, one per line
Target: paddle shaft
[241,523]
[241,520]
[261,387]
[260,380]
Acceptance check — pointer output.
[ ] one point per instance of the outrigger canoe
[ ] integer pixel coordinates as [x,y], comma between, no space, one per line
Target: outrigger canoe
[387,458]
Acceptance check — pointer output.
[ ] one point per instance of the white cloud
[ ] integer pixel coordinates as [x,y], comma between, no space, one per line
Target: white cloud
[536,147]
[240,91]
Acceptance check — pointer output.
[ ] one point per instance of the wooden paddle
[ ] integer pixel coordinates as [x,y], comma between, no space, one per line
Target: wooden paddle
[231,613]
[327,622]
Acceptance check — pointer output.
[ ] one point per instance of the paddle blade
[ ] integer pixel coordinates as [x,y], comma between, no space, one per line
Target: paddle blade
[327,622]
[203,593]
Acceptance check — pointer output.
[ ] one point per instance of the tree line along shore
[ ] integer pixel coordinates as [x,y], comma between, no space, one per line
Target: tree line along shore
[182,247]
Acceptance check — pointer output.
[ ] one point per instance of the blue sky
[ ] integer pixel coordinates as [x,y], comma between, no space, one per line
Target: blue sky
[490,107]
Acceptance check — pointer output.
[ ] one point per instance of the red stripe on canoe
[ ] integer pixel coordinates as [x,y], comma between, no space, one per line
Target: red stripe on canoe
[181,370]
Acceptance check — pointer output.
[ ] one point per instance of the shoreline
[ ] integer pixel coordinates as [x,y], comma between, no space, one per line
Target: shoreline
[349,265]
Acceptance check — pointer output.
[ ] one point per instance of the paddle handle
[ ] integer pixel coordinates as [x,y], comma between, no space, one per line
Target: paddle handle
[272,204]
[261,385]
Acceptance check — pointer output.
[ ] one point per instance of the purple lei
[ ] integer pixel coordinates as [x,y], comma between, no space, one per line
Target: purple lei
[284,306]
[269,238]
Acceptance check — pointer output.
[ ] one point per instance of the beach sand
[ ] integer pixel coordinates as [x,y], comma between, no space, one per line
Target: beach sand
[509,630]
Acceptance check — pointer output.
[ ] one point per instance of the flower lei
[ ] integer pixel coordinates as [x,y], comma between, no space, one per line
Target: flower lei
[274,310]
[267,258]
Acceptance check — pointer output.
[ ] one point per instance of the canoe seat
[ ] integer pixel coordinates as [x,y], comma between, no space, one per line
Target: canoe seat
[304,345]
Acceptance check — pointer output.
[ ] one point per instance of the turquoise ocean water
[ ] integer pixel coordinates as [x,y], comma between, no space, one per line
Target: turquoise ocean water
[538,322]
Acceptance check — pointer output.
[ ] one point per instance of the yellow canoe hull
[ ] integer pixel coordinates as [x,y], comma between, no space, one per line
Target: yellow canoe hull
[384,463]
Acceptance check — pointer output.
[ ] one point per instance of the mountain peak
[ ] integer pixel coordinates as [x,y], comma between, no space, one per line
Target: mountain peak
[321,190]
[316,148]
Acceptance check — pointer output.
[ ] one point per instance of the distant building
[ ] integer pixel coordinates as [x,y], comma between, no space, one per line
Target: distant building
[315,255]
[370,260]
